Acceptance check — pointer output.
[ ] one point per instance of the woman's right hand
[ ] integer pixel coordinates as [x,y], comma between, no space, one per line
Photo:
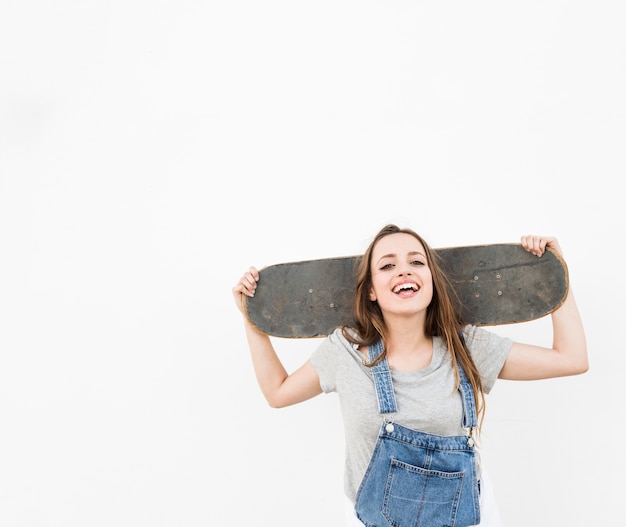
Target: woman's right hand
[246,286]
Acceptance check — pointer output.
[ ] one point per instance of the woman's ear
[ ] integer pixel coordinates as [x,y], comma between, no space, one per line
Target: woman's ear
[372,295]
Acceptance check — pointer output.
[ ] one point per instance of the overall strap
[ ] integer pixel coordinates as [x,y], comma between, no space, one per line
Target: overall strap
[467,396]
[470,420]
[382,380]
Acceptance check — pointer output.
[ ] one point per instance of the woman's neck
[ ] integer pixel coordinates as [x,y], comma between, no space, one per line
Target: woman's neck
[408,349]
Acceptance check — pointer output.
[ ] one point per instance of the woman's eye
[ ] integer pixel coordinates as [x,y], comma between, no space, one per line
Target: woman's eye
[386,266]
[417,262]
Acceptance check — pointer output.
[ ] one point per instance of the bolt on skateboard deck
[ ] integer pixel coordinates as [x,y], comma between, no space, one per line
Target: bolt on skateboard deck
[495,284]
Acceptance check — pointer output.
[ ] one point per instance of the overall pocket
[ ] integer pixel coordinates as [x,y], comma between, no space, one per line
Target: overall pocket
[418,497]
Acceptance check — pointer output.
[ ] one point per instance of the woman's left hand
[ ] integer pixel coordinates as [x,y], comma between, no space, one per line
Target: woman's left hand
[537,244]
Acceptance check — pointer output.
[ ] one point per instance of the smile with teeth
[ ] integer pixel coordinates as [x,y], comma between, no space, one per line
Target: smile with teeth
[408,286]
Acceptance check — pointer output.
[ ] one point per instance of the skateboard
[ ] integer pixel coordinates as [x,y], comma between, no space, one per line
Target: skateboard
[495,284]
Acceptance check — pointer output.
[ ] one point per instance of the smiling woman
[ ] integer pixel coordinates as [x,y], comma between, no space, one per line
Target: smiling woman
[411,378]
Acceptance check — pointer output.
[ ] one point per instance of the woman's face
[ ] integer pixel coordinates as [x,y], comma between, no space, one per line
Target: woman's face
[402,282]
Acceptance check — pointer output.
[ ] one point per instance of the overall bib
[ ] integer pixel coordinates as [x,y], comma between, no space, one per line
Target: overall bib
[416,479]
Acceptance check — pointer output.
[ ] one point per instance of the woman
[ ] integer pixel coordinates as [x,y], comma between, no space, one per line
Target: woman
[411,379]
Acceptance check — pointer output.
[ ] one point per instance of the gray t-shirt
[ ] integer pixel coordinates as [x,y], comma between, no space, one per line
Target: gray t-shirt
[427,399]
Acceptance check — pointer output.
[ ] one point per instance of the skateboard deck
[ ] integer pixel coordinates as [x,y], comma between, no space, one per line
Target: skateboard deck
[495,284]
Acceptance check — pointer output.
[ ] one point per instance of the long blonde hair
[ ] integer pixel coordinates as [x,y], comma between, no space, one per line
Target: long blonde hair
[443,316]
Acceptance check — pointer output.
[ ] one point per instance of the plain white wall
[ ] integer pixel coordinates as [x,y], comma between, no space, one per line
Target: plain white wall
[151,150]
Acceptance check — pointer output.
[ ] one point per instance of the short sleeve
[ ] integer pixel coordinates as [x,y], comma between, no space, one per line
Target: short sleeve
[489,352]
[325,360]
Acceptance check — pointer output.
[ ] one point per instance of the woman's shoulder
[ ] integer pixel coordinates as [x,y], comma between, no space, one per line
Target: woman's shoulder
[336,349]
[338,338]
[479,338]
[471,332]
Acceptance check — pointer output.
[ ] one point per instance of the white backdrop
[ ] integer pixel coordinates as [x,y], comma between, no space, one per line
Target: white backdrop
[150,151]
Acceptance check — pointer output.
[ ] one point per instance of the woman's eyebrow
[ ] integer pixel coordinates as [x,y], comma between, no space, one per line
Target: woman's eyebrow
[394,255]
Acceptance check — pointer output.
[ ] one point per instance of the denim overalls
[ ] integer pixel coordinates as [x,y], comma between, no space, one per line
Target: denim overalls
[416,479]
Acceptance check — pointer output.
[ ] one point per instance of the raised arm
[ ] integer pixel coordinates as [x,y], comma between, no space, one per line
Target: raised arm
[568,355]
[279,387]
